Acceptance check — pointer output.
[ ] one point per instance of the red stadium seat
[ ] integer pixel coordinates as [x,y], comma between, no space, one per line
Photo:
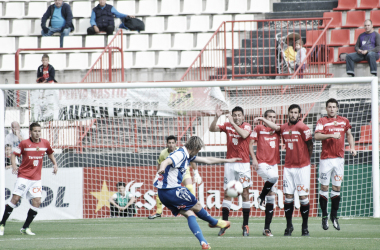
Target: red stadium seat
[357,34]
[355,19]
[368,4]
[341,50]
[340,38]
[336,22]
[346,5]
[312,36]
[375,18]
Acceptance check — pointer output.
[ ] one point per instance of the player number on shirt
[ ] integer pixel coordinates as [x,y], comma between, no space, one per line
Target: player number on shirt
[290,145]
[235,141]
[35,163]
[272,144]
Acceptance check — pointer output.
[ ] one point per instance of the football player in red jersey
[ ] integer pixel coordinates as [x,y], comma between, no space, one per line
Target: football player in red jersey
[265,163]
[28,184]
[237,132]
[299,148]
[330,130]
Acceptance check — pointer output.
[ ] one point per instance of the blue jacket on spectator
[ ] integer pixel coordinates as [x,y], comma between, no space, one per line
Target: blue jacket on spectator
[66,14]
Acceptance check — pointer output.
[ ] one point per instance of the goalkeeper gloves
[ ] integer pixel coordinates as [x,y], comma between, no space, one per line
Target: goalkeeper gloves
[197,177]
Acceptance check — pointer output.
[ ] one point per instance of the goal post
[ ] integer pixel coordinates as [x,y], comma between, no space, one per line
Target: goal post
[106,133]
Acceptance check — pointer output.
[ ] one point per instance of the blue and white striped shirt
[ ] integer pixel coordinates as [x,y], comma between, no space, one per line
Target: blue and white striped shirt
[172,177]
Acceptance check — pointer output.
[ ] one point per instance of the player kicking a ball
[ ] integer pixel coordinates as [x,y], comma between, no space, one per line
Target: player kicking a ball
[28,184]
[330,130]
[299,147]
[179,199]
[265,163]
[171,143]
[238,139]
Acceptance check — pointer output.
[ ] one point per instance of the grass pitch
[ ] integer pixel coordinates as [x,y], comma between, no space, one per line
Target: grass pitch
[173,233]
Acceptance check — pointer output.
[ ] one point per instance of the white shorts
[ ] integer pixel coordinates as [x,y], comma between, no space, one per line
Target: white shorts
[239,172]
[28,189]
[297,179]
[331,168]
[267,171]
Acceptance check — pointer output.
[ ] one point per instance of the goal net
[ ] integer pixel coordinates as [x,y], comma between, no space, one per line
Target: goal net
[105,134]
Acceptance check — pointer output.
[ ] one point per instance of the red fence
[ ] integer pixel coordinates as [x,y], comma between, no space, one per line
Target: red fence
[263,48]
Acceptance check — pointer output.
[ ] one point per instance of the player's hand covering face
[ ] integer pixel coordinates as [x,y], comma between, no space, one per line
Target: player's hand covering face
[238,117]
[294,115]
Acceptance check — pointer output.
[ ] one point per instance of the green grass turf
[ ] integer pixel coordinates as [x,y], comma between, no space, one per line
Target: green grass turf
[173,233]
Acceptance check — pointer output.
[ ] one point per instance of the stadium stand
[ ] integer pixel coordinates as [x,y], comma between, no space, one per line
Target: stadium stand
[340,37]
[147,8]
[161,42]
[336,22]
[192,7]
[375,18]
[183,41]
[354,19]
[176,24]
[357,33]
[368,4]
[346,5]
[215,7]
[199,23]
[170,7]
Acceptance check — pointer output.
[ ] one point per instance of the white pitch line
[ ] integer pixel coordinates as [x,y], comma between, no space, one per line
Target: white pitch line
[112,238]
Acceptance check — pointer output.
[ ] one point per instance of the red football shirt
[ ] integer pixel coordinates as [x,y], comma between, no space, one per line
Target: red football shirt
[333,148]
[45,74]
[268,142]
[237,147]
[295,136]
[32,157]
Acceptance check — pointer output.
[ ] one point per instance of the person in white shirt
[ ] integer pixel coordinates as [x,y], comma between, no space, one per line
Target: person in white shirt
[16,136]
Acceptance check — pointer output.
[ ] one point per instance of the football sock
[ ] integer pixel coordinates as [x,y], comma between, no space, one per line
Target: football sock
[194,227]
[191,188]
[226,205]
[269,211]
[323,202]
[7,213]
[288,208]
[204,215]
[31,214]
[305,208]
[268,215]
[159,205]
[267,187]
[335,199]
[246,211]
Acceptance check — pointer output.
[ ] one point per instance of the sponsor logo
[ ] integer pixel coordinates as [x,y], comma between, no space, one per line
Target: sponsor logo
[285,184]
[338,177]
[301,188]
[225,180]
[37,190]
[271,132]
[307,133]
[304,212]
[335,123]
[21,187]
[271,211]
[247,127]
[290,132]
[37,149]
[323,176]
[244,179]
[182,207]
[160,177]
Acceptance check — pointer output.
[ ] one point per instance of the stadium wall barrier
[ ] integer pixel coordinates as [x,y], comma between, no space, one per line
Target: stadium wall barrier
[61,195]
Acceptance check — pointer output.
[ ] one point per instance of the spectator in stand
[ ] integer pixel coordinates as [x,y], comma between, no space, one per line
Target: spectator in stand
[61,17]
[8,153]
[367,49]
[102,18]
[14,138]
[45,72]
[301,55]
[122,203]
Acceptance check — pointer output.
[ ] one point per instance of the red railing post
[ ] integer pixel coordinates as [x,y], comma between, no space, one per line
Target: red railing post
[122,56]
[109,64]
[233,53]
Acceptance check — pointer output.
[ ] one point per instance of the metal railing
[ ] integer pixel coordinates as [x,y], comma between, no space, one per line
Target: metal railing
[109,67]
[263,48]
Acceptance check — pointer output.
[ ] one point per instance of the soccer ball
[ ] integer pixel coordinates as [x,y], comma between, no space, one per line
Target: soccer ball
[234,188]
